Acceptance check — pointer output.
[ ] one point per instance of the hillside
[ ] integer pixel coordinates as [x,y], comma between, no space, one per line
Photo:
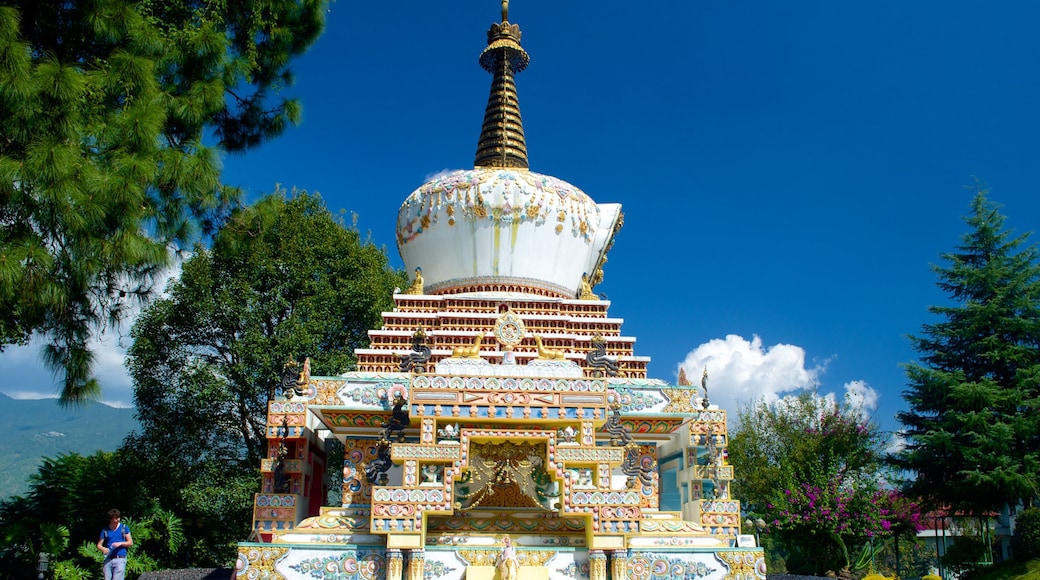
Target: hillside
[35,429]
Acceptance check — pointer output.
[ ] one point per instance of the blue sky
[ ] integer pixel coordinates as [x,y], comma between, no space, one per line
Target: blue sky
[788,170]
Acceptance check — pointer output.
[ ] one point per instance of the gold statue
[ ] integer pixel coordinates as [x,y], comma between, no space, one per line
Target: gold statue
[507,563]
[547,353]
[417,285]
[472,351]
[586,289]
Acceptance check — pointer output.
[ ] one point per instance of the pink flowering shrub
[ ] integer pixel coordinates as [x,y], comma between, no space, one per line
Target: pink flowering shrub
[821,482]
[852,513]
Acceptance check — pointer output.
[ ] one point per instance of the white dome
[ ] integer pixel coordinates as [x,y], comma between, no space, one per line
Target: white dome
[498,228]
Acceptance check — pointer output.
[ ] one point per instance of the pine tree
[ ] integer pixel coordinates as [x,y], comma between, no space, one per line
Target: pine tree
[106,107]
[973,427]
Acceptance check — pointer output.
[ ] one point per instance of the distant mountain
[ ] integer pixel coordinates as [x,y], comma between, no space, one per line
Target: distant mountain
[38,428]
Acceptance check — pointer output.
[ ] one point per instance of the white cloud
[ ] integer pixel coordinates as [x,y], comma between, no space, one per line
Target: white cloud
[25,377]
[862,396]
[896,443]
[741,370]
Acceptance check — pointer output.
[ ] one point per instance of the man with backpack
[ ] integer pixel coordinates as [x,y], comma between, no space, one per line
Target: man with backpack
[115,539]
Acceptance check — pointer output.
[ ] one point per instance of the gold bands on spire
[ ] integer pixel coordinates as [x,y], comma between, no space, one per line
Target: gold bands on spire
[502,142]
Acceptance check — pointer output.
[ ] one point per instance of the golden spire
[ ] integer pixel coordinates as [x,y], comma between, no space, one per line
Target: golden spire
[502,141]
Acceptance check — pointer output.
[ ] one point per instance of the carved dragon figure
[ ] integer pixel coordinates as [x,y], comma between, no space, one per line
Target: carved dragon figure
[597,357]
[398,420]
[294,380]
[619,436]
[634,470]
[375,470]
[420,355]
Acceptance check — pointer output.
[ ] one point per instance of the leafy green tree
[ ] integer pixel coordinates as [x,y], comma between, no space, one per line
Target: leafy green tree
[66,506]
[105,111]
[810,467]
[1026,542]
[973,427]
[284,279]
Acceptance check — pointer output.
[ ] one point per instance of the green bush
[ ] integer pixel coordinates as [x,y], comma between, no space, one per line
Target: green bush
[964,555]
[1026,541]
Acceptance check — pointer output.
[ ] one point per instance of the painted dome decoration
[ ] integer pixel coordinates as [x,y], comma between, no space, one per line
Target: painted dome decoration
[496,228]
[501,227]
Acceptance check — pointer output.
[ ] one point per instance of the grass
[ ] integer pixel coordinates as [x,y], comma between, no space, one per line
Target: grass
[1012,570]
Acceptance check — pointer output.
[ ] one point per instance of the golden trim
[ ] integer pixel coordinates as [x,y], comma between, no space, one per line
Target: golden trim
[487,557]
[260,562]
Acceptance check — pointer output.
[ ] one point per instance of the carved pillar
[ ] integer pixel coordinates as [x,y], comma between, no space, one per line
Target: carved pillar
[603,480]
[427,431]
[597,565]
[410,476]
[416,563]
[588,433]
[619,565]
[394,564]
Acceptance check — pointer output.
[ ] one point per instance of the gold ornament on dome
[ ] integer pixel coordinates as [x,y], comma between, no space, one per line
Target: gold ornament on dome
[501,142]
[509,329]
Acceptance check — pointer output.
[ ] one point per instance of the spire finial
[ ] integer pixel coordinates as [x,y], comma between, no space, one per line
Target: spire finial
[502,142]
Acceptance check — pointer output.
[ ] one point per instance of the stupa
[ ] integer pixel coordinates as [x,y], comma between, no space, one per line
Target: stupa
[499,405]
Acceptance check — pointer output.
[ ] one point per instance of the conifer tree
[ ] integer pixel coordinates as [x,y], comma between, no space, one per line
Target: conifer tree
[106,161]
[973,426]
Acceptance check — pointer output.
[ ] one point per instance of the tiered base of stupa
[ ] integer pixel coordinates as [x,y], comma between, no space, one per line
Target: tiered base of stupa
[338,545]
[511,420]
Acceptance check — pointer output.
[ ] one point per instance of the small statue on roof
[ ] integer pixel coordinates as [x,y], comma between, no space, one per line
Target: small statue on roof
[586,293]
[417,284]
